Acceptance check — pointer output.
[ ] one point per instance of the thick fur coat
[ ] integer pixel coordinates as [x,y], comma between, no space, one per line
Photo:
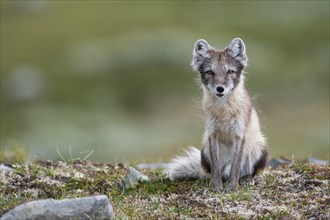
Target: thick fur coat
[233,144]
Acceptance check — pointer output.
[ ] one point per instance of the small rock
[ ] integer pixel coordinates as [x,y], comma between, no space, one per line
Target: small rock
[275,162]
[133,177]
[95,207]
[5,167]
[153,165]
[317,161]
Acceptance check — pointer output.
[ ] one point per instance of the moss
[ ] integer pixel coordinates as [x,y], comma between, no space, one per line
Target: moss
[291,191]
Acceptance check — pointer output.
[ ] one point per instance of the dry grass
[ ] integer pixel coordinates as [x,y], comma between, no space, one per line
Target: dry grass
[291,191]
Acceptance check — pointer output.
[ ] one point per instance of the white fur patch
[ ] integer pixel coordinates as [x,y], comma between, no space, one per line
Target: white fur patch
[186,166]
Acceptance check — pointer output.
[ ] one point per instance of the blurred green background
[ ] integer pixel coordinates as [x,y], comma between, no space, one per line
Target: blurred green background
[115,77]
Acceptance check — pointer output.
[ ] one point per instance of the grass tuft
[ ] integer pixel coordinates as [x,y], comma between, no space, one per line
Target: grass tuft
[291,191]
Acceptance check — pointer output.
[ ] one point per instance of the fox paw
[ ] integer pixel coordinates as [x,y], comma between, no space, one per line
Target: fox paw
[232,187]
[216,186]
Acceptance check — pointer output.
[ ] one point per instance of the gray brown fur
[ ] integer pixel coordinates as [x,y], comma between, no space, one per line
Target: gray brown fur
[233,145]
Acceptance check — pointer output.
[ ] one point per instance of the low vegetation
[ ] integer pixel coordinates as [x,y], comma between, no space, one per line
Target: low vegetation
[291,191]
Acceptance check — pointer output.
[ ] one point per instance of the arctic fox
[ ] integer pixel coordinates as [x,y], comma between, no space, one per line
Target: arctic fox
[233,145]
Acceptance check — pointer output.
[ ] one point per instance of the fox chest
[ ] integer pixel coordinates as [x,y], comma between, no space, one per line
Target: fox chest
[227,127]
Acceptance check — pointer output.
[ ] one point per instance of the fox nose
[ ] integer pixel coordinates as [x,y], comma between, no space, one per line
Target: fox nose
[220,89]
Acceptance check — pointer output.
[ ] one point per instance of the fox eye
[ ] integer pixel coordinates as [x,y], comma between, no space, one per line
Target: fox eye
[210,72]
[230,72]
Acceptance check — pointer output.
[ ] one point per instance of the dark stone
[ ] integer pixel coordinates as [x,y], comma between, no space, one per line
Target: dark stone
[275,162]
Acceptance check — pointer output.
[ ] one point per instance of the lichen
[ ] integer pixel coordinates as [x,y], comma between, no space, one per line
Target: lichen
[290,191]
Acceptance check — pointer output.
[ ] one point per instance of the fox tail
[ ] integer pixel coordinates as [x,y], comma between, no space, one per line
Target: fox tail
[186,166]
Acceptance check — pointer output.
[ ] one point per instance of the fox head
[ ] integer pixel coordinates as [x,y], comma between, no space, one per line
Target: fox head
[220,70]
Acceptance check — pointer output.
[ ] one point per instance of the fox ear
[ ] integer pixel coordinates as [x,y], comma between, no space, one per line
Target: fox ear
[201,52]
[236,49]
[202,48]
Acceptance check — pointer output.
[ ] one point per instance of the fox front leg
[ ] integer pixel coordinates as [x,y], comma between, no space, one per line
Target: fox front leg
[236,164]
[216,180]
